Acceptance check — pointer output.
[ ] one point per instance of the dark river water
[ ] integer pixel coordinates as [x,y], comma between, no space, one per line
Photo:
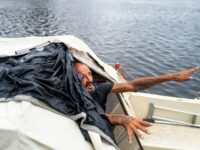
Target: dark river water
[148,37]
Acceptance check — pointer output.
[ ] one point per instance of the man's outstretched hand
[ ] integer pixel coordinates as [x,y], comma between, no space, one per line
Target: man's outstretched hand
[183,75]
[131,124]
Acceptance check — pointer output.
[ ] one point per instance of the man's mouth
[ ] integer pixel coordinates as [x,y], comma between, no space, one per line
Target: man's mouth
[88,84]
[89,87]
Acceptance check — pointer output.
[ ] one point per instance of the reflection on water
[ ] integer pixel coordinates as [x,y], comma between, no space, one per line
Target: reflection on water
[149,37]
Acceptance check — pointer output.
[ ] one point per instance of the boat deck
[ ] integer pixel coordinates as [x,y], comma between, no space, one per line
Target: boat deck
[173,137]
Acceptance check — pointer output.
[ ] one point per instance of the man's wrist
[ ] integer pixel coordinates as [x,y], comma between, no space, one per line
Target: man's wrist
[166,77]
[170,76]
[116,119]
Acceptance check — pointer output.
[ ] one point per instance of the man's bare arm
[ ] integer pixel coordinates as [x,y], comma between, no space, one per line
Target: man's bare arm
[148,82]
[130,124]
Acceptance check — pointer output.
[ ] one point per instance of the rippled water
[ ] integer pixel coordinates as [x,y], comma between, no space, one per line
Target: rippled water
[149,37]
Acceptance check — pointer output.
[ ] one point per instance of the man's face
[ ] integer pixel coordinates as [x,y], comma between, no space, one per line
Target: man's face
[87,76]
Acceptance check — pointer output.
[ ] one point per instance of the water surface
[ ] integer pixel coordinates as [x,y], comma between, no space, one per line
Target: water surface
[148,37]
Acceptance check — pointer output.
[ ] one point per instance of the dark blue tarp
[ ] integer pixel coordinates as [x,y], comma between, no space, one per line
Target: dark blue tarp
[49,76]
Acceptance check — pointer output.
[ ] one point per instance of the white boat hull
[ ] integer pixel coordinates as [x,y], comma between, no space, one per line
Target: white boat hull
[163,136]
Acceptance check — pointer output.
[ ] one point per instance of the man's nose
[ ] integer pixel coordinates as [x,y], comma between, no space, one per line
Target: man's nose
[89,79]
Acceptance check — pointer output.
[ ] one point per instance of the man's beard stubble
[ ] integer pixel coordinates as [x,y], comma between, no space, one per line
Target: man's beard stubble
[90,84]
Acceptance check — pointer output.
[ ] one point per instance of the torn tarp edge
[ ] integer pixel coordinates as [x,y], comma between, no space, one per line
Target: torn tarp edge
[39,46]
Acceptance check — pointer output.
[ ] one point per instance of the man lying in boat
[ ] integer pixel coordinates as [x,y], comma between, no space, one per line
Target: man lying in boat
[100,91]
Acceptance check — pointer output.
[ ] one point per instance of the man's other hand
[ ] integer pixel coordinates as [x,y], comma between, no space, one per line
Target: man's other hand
[133,125]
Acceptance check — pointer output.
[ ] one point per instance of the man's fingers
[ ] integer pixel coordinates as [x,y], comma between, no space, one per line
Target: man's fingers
[129,132]
[195,69]
[188,78]
[145,123]
[137,132]
[143,129]
[189,72]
